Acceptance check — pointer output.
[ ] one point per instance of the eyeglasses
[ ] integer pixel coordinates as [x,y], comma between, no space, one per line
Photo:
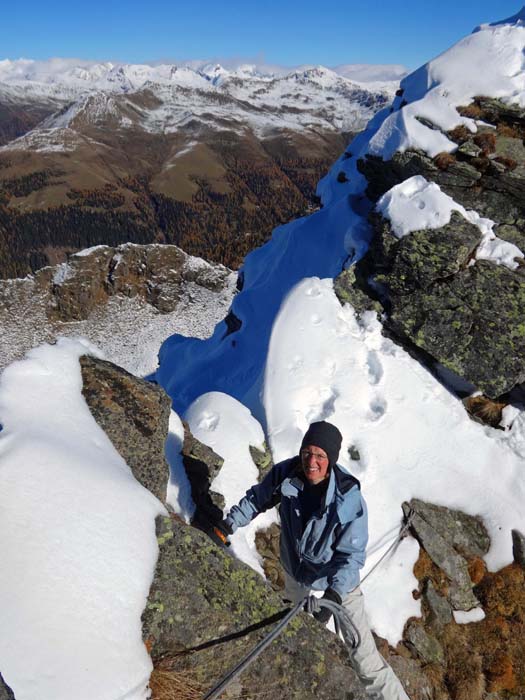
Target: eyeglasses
[306,454]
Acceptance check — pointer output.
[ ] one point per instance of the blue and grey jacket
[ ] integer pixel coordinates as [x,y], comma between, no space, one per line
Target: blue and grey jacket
[330,550]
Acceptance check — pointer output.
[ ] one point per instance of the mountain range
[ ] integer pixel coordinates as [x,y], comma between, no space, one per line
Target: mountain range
[207,158]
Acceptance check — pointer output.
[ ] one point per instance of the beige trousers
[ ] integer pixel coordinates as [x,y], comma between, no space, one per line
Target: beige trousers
[379,680]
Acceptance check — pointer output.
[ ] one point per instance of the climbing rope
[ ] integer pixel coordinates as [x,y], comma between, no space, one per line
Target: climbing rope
[312,605]
[394,545]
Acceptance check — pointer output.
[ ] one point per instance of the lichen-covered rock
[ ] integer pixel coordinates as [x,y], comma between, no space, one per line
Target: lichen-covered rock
[347,288]
[134,414]
[262,459]
[473,324]
[465,533]
[201,593]
[439,304]
[467,318]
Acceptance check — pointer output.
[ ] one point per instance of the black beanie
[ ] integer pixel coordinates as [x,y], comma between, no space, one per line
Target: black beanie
[327,437]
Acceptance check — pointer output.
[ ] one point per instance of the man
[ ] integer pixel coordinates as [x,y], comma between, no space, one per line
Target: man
[324,532]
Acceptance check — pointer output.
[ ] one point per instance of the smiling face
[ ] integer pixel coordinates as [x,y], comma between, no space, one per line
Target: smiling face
[314,461]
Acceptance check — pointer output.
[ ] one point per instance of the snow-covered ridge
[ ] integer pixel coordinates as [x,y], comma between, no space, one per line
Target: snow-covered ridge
[487,62]
[74,75]
[164,98]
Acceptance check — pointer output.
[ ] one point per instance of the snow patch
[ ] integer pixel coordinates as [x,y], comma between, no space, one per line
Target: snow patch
[416,204]
[77,535]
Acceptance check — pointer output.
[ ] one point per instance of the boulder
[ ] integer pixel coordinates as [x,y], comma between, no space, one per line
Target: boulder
[200,593]
[465,317]
[134,414]
[438,541]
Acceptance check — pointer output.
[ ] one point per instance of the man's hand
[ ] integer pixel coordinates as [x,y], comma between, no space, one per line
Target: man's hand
[220,533]
[324,614]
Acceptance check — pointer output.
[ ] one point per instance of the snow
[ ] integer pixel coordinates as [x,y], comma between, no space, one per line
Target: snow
[488,62]
[179,489]
[466,617]
[228,427]
[77,535]
[416,204]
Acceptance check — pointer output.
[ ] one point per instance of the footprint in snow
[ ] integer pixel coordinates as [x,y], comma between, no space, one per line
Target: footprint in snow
[378,407]
[295,363]
[208,421]
[375,368]
[316,320]
[314,291]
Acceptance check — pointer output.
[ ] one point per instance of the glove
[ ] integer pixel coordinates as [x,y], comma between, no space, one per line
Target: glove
[324,614]
[220,533]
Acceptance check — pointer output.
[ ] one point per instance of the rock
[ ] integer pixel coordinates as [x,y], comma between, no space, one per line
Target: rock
[424,257]
[202,465]
[467,305]
[157,273]
[134,414]
[267,543]
[5,691]
[262,459]
[469,148]
[425,645]
[439,608]
[347,289]
[418,686]
[518,548]
[200,593]
[465,533]
[445,557]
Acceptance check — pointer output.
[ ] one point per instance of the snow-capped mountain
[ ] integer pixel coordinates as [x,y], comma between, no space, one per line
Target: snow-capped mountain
[204,157]
[302,99]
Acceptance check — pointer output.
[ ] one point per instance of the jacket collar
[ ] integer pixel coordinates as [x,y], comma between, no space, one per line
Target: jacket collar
[339,483]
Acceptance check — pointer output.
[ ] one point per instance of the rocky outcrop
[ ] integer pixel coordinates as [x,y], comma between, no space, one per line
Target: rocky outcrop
[439,304]
[134,415]
[154,272]
[201,594]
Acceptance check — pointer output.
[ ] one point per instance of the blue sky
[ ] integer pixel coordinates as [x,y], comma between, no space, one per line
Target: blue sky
[273,31]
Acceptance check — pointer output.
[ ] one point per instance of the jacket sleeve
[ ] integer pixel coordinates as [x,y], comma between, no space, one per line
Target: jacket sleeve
[349,553]
[260,497]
